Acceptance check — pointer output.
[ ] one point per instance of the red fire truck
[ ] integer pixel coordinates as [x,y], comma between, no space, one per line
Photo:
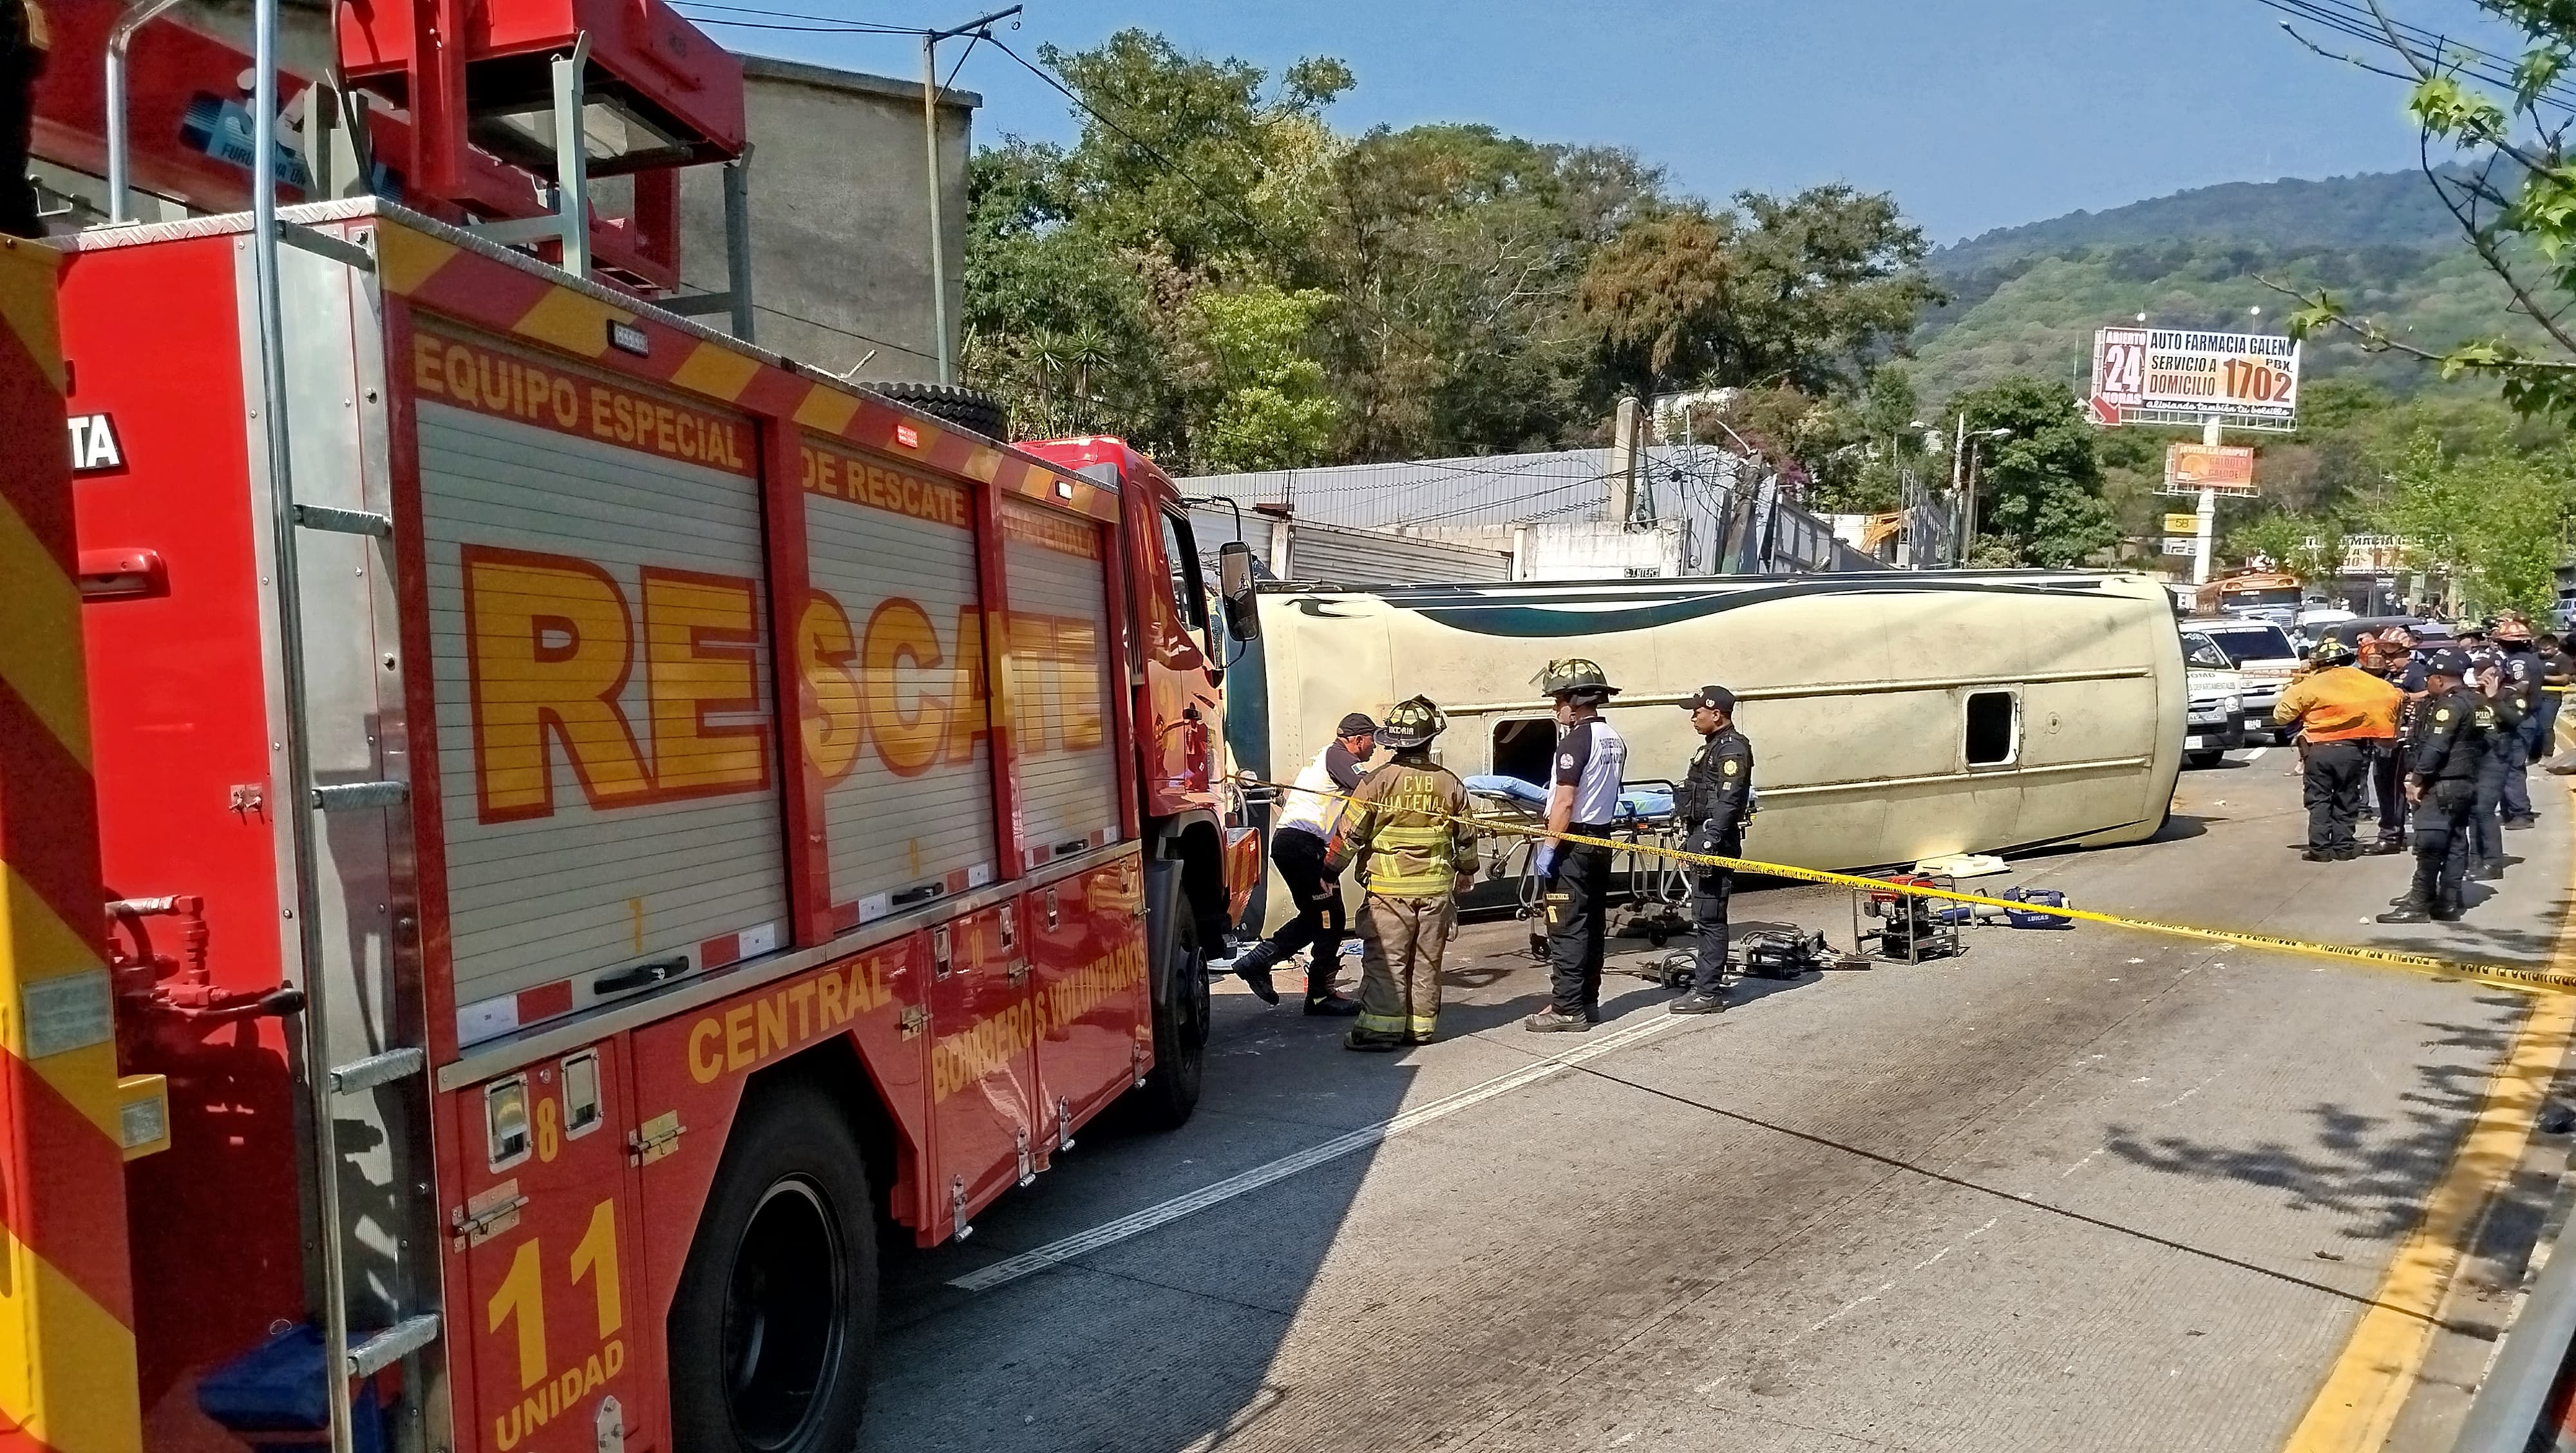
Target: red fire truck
[591,818]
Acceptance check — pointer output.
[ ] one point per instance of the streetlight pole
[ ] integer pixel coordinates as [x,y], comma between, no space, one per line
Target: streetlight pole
[930,146]
[1965,466]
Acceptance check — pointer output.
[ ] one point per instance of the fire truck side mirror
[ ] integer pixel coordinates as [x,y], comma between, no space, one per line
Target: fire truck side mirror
[1234,585]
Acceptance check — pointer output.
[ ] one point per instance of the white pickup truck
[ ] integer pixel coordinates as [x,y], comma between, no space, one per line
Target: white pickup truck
[2259,652]
[2216,720]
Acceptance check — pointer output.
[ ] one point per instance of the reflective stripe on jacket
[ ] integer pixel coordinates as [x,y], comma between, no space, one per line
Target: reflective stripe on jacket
[1406,829]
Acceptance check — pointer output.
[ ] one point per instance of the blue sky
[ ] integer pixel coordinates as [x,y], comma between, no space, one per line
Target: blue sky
[1975,113]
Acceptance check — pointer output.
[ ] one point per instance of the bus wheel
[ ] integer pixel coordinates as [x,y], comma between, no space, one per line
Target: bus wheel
[774,1326]
[1171,1088]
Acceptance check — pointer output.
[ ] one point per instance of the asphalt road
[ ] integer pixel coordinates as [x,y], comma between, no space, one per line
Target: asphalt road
[2075,1189]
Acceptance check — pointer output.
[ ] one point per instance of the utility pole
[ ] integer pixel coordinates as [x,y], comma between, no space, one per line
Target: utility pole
[930,147]
[1623,464]
[1959,493]
[2208,511]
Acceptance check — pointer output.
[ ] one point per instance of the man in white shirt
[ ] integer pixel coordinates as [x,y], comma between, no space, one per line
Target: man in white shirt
[1307,817]
[1574,878]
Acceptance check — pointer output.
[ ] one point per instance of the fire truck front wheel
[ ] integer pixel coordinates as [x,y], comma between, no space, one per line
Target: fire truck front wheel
[1171,1088]
[774,1326]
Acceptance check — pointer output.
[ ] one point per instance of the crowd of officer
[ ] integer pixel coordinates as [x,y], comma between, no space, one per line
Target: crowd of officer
[2442,735]
[1406,827]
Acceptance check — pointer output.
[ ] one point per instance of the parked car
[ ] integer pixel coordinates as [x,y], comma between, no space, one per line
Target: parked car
[2319,617]
[2215,724]
[2351,631]
[2263,657]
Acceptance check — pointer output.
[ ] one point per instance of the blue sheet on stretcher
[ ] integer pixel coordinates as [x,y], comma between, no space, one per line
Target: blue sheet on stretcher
[1633,805]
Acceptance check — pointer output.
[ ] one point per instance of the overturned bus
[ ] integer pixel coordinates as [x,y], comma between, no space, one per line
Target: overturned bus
[1895,716]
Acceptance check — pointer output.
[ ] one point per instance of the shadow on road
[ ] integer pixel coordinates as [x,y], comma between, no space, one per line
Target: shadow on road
[1200,1309]
[2372,1172]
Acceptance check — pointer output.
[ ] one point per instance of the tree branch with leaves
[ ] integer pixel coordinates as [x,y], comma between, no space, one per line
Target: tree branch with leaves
[2509,185]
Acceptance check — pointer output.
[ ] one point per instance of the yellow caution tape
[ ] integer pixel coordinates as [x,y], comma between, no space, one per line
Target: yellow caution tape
[2507,976]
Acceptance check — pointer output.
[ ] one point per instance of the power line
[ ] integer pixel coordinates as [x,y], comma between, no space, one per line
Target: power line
[2361,22]
[821,23]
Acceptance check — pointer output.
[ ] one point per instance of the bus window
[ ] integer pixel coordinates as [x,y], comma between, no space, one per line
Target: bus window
[1992,723]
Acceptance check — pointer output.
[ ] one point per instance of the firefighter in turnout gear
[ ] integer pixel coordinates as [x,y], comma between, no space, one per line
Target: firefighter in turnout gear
[1574,878]
[1408,831]
[1716,800]
[2443,756]
[2341,712]
[1307,817]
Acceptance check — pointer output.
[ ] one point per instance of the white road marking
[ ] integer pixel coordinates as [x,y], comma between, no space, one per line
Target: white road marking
[2256,755]
[1110,1233]
[1856,1303]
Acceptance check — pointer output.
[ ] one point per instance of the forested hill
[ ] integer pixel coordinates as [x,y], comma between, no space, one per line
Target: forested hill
[2378,209]
[2027,299]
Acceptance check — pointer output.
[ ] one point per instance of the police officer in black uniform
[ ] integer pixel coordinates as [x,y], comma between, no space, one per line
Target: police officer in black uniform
[2500,716]
[1716,798]
[2521,683]
[2444,754]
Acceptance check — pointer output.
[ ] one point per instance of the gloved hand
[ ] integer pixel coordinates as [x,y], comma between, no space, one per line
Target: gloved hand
[1703,838]
[1543,861]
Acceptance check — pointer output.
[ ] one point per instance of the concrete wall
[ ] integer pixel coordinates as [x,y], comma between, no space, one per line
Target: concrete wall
[840,218]
[1580,549]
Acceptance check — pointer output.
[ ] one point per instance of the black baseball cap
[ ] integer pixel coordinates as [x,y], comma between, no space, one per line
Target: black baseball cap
[2447,662]
[1357,724]
[1716,698]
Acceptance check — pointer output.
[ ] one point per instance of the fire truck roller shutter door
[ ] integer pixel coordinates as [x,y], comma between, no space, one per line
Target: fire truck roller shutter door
[602,664]
[892,651]
[1057,686]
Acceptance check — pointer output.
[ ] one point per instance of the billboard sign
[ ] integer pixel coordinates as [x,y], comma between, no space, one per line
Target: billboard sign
[2223,468]
[2183,376]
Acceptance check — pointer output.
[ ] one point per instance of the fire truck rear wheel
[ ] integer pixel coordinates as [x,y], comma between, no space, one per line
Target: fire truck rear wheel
[1171,1088]
[774,1327]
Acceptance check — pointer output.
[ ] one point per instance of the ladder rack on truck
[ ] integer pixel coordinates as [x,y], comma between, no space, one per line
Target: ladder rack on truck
[740,808]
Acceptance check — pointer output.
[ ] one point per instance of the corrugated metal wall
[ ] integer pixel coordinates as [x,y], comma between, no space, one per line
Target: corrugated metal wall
[1691,489]
[1381,557]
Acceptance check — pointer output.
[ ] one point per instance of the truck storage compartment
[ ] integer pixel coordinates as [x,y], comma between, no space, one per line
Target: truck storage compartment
[1055,682]
[891,646]
[608,811]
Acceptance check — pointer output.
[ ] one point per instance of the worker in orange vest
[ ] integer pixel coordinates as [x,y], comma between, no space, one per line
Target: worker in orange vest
[2344,716]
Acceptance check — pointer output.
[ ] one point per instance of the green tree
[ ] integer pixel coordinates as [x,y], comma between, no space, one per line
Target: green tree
[2039,488]
[2495,155]
[2494,521]
[1453,252]
[1083,263]
[1807,291]
[1872,448]
[1268,408]
[2311,547]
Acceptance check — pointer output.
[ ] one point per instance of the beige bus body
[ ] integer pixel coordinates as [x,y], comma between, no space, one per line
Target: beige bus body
[1894,717]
